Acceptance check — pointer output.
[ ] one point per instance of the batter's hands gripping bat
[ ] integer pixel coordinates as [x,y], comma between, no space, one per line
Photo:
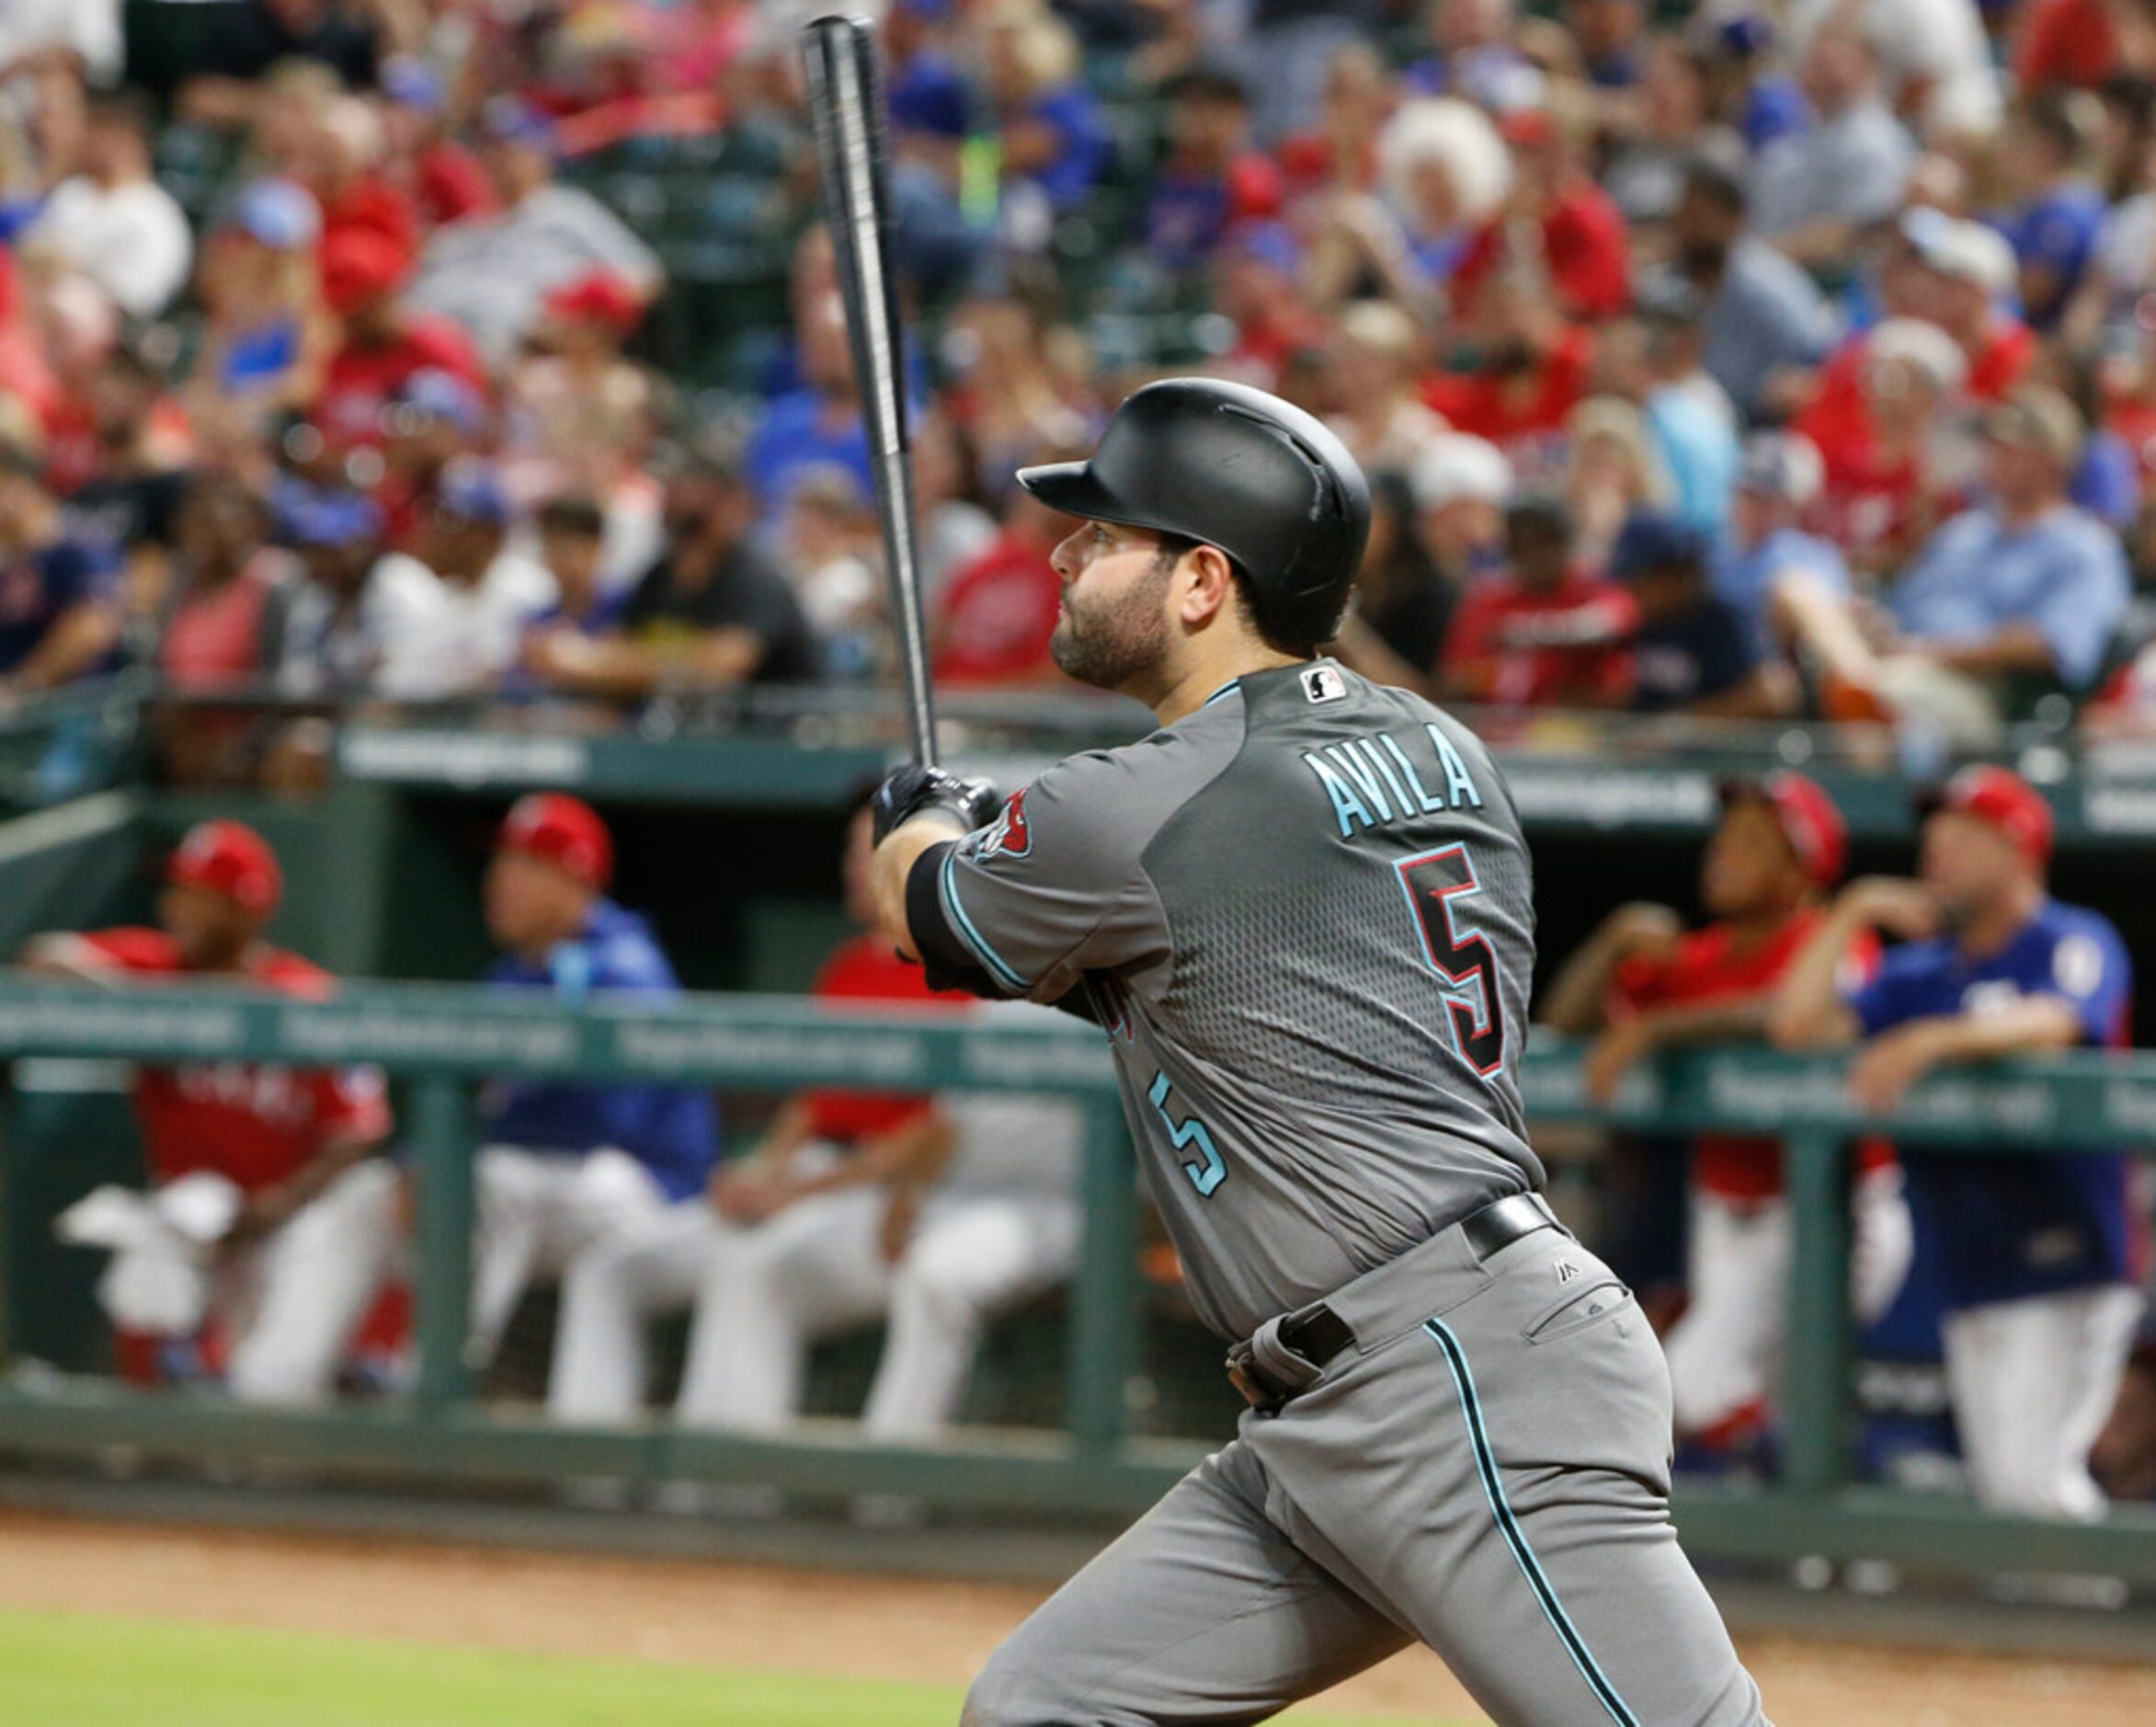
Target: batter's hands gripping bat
[846,99]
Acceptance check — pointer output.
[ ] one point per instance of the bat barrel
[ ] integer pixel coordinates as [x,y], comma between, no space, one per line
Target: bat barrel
[846,99]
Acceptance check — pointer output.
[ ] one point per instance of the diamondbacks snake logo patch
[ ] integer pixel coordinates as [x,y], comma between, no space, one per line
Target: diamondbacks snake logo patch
[1008,833]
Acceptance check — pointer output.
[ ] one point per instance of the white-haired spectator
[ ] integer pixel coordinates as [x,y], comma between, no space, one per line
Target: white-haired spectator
[1769,567]
[39,33]
[1442,171]
[1460,486]
[1814,192]
[112,222]
[1370,375]
[1442,165]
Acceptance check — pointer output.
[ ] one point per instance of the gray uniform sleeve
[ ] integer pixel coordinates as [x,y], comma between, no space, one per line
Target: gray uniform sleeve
[1053,888]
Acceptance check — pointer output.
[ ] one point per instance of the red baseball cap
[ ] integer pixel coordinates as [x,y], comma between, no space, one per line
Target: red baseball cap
[1810,821]
[228,858]
[2001,797]
[359,266]
[562,830]
[599,296]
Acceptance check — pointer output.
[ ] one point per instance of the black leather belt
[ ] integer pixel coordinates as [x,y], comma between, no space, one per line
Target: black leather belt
[1319,1335]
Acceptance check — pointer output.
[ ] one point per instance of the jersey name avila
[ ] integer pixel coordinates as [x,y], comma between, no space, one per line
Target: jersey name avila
[1372,780]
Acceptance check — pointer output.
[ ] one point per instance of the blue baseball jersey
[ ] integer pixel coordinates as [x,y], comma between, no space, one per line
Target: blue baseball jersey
[2013,1226]
[672,1130]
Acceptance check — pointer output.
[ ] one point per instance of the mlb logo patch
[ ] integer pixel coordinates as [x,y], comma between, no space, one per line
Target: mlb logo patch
[1324,683]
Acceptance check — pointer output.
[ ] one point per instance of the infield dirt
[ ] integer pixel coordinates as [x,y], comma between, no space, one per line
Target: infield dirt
[733,1616]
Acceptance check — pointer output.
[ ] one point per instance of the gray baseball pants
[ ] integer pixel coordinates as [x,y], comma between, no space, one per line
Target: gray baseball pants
[1485,1469]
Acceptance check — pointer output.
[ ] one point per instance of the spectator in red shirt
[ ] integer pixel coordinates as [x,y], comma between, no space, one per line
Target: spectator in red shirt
[385,342]
[1887,453]
[213,630]
[341,162]
[996,612]
[444,181]
[1583,245]
[269,1210]
[1645,986]
[1340,154]
[1972,271]
[1544,634]
[1520,375]
[2072,42]
[1212,178]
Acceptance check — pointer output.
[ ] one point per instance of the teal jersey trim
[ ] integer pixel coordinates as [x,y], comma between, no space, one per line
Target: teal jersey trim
[1230,688]
[1516,1538]
[975,939]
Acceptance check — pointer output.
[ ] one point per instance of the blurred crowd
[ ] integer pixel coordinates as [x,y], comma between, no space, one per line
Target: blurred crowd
[1748,361]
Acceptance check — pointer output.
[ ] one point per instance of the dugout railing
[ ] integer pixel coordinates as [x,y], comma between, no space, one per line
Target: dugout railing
[441,1042]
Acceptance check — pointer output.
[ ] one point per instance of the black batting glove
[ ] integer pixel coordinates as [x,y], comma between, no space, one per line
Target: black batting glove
[972,803]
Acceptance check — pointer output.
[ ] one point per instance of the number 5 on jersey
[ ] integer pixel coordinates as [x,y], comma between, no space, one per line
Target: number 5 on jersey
[1435,884]
[1210,1169]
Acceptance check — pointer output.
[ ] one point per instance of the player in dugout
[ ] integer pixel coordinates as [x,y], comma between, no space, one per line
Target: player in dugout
[820,1141]
[566,1170]
[1642,984]
[2040,1253]
[270,1219]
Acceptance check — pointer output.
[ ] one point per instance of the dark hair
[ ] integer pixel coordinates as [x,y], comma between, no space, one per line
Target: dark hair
[1170,548]
[1706,176]
[1206,84]
[1539,514]
[578,516]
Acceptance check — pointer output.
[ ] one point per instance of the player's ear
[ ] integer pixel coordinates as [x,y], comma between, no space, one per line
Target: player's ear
[1204,585]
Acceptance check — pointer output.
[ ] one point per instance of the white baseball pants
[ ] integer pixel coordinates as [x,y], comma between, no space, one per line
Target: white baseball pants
[1725,1352]
[298,1296]
[540,1213]
[2033,1382]
[816,1269]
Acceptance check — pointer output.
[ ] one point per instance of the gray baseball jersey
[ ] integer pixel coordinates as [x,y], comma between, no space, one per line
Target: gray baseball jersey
[1305,914]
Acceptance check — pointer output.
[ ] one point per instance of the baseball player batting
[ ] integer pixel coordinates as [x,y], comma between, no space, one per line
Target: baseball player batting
[1301,909]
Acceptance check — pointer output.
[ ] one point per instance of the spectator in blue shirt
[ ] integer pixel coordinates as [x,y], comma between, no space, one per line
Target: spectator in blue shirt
[1689,417]
[2055,228]
[1052,137]
[2023,592]
[2026,583]
[568,1169]
[60,618]
[1768,569]
[1211,179]
[1765,323]
[2036,1263]
[816,426]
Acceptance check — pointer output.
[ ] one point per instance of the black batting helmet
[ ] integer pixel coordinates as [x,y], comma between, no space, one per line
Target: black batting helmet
[1231,467]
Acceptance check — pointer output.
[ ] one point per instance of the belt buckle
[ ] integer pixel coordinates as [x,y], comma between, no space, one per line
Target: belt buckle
[1244,1375]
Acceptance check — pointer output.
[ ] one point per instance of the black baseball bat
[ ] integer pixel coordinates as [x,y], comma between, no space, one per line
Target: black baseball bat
[846,100]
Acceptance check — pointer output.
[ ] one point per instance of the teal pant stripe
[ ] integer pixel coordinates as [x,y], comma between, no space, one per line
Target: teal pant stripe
[1516,1538]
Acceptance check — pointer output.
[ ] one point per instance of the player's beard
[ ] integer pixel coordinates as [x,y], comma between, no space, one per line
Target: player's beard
[1117,643]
